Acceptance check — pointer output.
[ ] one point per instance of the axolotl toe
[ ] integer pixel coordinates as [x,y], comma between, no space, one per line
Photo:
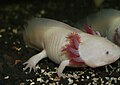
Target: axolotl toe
[67,46]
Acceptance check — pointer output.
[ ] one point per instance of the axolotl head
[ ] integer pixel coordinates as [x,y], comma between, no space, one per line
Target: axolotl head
[97,51]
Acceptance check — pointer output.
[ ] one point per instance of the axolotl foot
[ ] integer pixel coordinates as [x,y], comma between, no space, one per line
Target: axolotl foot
[31,63]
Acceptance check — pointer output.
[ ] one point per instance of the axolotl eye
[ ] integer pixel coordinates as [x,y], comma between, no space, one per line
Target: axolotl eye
[107,52]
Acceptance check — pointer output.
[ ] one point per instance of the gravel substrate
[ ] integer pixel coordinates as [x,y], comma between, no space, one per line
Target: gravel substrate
[13,16]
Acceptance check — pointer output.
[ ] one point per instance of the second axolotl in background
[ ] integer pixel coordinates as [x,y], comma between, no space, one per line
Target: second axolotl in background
[107,22]
[67,46]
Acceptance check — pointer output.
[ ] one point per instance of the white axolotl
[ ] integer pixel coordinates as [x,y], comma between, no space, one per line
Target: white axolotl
[67,46]
[107,22]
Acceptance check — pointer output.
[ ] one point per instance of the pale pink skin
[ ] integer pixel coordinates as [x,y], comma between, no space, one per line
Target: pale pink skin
[106,22]
[50,36]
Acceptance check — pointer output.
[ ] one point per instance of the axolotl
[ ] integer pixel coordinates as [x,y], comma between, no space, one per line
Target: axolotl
[67,46]
[107,22]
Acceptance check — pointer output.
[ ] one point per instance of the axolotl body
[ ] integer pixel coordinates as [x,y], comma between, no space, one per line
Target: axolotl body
[67,46]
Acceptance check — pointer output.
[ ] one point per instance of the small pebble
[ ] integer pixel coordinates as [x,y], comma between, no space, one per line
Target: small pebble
[42,70]
[70,81]
[47,81]
[119,78]
[93,75]
[7,77]
[42,11]
[95,79]
[107,78]
[82,79]
[22,83]
[32,83]
[75,84]
[6,42]
[88,77]
[37,67]
[40,79]
[15,31]
[0,36]
[2,30]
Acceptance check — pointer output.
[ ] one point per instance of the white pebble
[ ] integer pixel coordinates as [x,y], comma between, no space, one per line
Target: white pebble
[37,67]
[7,77]
[42,11]
[88,77]
[40,79]
[82,79]
[107,78]
[22,83]
[89,83]
[2,30]
[101,80]
[47,81]
[0,36]
[42,70]
[51,79]
[6,42]
[114,79]
[32,83]
[119,78]
[18,42]
[70,81]
[26,46]
[82,76]
[95,79]
[15,31]
[93,75]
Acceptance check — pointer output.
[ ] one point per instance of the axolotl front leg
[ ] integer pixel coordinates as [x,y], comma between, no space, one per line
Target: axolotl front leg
[31,63]
[62,67]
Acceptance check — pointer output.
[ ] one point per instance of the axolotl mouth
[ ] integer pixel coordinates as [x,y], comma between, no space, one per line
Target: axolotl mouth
[109,61]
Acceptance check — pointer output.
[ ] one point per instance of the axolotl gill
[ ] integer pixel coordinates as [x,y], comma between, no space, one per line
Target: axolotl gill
[67,46]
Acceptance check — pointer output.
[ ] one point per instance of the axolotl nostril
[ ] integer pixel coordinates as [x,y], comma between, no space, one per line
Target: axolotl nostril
[67,46]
